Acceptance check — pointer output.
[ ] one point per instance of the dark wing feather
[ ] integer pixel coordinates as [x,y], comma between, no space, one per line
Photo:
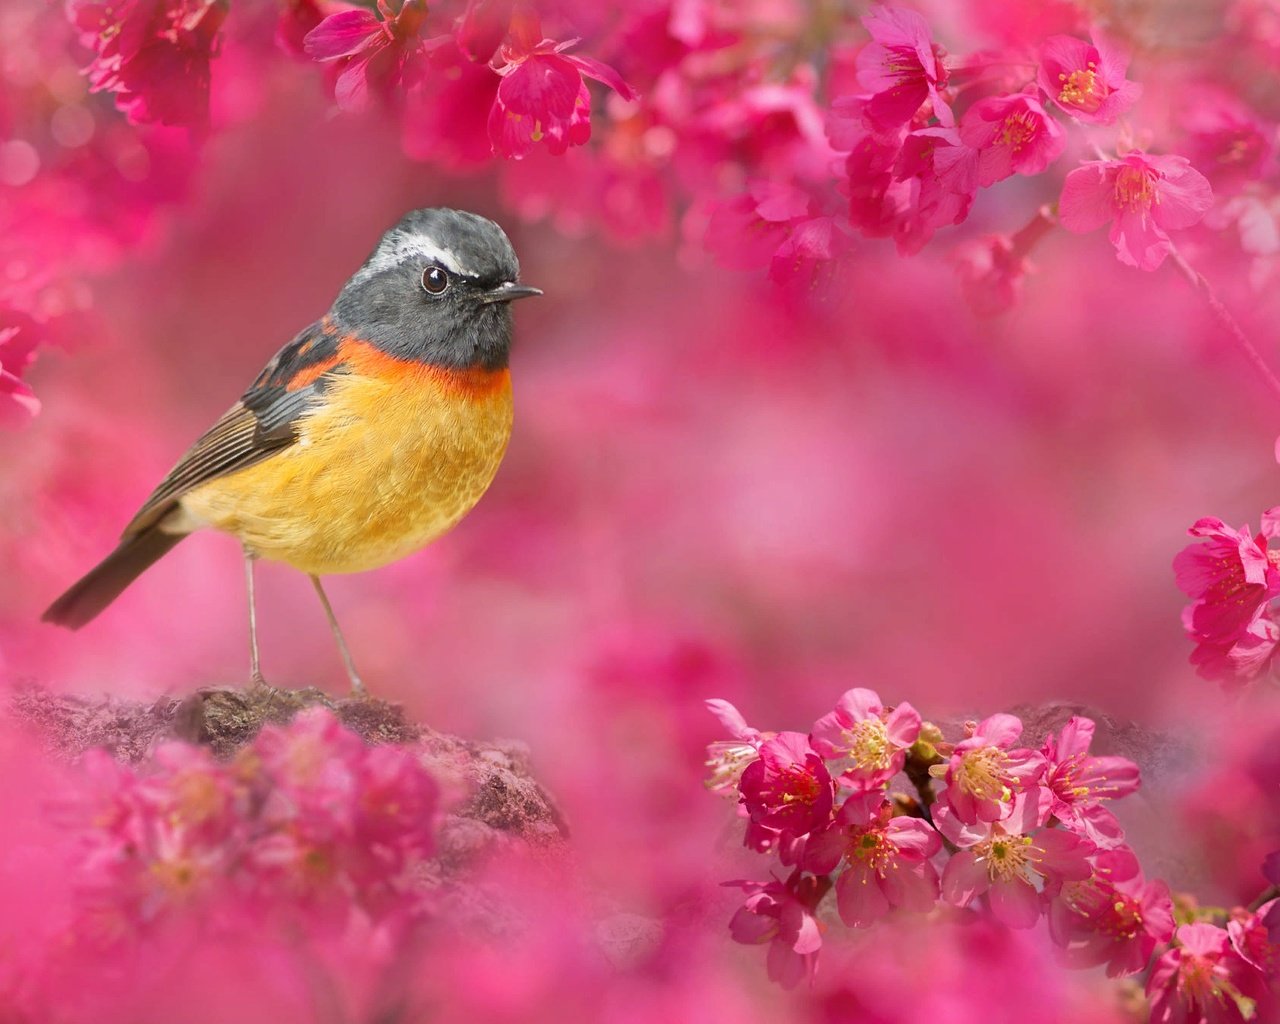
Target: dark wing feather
[262,423]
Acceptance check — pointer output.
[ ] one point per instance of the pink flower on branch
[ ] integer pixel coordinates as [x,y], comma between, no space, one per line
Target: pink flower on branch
[153,54]
[543,96]
[1143,198]
[885,858]
[1013,135]
[782,914]
[1202,979]
[1087,80]
[372,52]
[1113,917]
[788,786]
[1077,781]
[985,774]
[870,740]
[902,68]
[1230,581]
[999,859]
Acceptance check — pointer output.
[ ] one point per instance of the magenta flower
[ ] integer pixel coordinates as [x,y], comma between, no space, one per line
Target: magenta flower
[984,775]
[902,68]
[18,340]
[935,183]
[1143,197]
[1087,81]
[870,741]
[1229,579]
[542,96]
[1251,938]
[1076,781]
[788,787]
[728,758]
[745,232]
[372,52]
[886,860]
[1202,979]
[1113,917]
[782,914]
[153,54]
[1013,135]
[998,859]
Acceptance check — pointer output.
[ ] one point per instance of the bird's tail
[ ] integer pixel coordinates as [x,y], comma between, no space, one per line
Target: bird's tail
[104,583]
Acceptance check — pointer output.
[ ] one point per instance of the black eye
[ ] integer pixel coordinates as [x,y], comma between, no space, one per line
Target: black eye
[435,280]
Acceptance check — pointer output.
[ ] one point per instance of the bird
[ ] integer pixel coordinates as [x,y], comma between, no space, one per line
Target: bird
[365,438]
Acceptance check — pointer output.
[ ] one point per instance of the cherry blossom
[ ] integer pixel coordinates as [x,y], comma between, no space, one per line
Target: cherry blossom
[866,736]
[999,858]
[782,914]
[1144,197]
[885,858]
[1087,81]
[542,96]
[985,773]
[788,786]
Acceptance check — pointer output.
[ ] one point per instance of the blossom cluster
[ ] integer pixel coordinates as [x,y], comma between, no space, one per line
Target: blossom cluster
[307,819]
[1232,580]
[874,804]
[772,139]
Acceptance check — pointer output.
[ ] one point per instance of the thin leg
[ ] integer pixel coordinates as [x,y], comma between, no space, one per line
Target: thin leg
[357,687]
[255,668]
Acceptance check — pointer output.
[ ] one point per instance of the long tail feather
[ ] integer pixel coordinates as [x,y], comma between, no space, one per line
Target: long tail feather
[104,583]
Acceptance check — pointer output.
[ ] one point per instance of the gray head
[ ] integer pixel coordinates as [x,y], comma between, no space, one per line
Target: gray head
[437,288]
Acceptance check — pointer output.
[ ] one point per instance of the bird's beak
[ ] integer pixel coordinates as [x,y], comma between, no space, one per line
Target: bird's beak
[508,291]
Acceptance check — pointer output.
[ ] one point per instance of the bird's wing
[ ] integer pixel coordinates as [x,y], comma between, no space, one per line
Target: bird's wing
[262,423]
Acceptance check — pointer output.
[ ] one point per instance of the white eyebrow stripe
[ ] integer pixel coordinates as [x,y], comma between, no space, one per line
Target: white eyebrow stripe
[395,248]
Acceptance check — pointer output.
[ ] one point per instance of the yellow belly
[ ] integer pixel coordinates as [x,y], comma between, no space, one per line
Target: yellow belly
[382,468]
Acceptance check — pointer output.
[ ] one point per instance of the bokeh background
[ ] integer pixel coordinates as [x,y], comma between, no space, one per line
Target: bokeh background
[716,486]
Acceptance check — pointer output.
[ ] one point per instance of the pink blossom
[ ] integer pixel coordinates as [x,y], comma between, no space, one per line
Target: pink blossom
[935,181]
[886,860]
[728,758]
[1077,781]
[1230,581]
[902,68]
[871,741]
[1112,917]
[19,337]
[788,787]
[1144,197]
[985,774]
[746,231]
[1251,939]
[153,54]
[542,95]
[808,252]
[1202,979]
[998,859]
[372,52]
[782,914]
[1087,81]
[1013,135]
[1226,139]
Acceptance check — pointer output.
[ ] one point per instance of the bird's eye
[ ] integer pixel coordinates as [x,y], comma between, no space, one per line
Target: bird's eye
[435,280]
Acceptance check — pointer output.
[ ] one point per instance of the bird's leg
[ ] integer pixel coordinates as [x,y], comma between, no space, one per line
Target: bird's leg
[357,687]
[255,667]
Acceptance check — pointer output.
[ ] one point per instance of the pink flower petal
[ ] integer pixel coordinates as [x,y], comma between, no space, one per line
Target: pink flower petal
[341,35]
[859,898]
[1015,903]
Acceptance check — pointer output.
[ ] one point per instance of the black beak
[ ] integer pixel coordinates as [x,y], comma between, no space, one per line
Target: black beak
[509,291]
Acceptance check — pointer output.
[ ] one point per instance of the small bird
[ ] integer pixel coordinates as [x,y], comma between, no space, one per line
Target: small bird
[365,438]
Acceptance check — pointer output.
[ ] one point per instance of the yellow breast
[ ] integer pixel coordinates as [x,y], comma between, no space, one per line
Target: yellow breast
[396,454]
